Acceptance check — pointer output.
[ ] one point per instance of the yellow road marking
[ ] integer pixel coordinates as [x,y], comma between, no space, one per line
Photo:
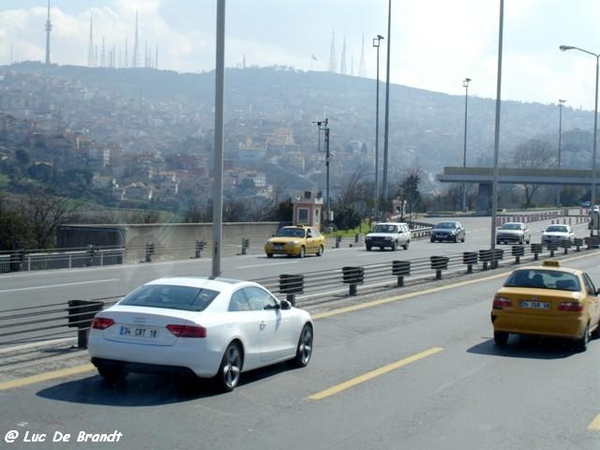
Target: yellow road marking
[89,367]
[396,298]
[46,376]
[595,424]
[374,373]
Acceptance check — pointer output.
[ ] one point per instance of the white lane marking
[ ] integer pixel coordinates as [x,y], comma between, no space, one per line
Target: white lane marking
[58,285]
[267,265]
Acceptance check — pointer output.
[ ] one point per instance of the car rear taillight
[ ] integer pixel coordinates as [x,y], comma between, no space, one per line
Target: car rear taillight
[187,331]
[102,323]
[570,306]
[501,302]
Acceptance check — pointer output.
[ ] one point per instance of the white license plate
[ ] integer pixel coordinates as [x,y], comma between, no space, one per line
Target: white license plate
[138,332]
[534,305]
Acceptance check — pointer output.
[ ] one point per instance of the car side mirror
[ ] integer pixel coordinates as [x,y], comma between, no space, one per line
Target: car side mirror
[285,305]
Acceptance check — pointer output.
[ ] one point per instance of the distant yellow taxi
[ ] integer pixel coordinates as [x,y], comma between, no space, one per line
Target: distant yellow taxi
[296,240]
[547,300]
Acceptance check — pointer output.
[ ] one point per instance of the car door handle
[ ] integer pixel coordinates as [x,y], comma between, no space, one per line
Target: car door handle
[263,325]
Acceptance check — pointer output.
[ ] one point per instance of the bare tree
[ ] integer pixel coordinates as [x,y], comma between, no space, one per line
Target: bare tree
[45,213]
[533,154]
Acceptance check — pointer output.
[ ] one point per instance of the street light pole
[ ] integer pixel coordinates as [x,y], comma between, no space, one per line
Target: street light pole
[564,48]
[322,126]
[561,103]
[464,186]
[384,189]
[376,42]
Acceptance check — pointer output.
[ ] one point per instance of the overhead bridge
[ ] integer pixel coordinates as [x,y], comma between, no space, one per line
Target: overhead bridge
[484,177]
[516,176]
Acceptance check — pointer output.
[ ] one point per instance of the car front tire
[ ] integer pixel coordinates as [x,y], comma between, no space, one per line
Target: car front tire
[304,347]
[320,251]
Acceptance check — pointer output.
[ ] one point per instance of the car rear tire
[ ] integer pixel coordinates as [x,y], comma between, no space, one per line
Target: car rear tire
[228,376]
[405,246]
[269,255]
[320,251]
[112,374]
[304,347]
[368,248]
[582,343]
[501,338]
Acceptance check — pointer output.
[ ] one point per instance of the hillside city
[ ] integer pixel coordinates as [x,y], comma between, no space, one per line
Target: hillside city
[143,136]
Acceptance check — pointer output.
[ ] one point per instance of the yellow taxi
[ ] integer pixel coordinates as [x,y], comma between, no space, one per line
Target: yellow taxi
[547,300]
[298,240]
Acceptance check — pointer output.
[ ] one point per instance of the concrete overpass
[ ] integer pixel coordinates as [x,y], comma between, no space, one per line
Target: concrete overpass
[484,176]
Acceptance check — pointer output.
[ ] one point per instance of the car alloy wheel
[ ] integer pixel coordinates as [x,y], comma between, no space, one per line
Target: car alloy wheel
[228,376]
[304,348]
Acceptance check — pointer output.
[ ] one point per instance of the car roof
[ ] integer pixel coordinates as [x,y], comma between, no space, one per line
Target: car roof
[551,269]
[213,283]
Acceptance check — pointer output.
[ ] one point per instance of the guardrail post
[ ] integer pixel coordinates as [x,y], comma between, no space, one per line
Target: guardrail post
[552,246]
[517,252]
[353,276]
[245,245]
[536,249]
[566,245]
[470,259]
[291,285]
[401,269]
[199,247]
[485,256]
[80,315]
[149,251]
[439,263]
[497,255]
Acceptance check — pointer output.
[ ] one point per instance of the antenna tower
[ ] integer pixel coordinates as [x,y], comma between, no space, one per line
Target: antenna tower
[91,45]
[343,64]
[48,29]
[332,67]
[361,66]
[136,49]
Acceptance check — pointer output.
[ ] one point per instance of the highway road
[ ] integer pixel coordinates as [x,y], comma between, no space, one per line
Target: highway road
[49,287]
[417,370]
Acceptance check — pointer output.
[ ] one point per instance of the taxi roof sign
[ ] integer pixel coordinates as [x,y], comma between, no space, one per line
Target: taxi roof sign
[551,263]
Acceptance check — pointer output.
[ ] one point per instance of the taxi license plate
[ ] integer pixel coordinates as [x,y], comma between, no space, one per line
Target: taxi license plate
[140,332]
[534,304]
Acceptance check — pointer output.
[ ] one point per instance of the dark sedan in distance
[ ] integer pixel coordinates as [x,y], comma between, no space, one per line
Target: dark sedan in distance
[451,231]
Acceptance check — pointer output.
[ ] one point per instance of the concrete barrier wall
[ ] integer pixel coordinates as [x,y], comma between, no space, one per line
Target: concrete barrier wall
[178,241]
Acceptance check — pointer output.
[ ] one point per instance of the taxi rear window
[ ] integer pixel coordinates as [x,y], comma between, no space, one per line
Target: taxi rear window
[543,279]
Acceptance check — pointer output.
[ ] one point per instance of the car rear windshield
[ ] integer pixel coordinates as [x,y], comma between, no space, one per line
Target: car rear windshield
[543,279]
[171,297]
[511,226]
[557,229]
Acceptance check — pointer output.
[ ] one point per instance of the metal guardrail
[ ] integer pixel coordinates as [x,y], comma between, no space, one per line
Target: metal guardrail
[52,321]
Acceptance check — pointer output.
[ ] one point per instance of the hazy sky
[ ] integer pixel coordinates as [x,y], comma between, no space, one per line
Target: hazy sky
[435,44]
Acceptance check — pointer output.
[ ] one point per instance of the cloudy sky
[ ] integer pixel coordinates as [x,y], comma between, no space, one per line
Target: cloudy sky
[435,44]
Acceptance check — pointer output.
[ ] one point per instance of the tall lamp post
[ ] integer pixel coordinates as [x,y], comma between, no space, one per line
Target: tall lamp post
[561,103]
[322,125]
[464,186]
[384,181]
[564,48]
[376,42]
